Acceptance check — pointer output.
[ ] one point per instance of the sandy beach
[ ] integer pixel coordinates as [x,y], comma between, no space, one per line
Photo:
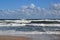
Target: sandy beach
[13,38]
[32,37]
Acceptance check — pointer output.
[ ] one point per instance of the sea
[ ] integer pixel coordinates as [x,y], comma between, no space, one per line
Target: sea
[16,31]
[30,28]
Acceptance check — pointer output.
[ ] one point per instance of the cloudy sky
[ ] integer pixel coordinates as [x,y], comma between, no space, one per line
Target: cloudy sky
[29,9]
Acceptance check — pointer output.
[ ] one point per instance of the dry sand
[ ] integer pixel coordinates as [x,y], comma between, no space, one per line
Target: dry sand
[13,38]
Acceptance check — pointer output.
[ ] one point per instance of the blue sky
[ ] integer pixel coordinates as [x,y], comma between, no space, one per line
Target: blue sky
[14,4]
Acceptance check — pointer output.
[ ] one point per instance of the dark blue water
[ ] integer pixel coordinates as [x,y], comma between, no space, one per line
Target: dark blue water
[31,28]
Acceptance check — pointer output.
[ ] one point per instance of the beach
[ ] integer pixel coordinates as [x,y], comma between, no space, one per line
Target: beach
[13,38]
[32,37]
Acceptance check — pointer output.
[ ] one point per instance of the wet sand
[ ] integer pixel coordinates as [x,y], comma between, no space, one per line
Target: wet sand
[56,36]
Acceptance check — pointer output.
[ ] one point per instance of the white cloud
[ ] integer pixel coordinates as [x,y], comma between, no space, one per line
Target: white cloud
[32,11]
[32,6]
[56,6]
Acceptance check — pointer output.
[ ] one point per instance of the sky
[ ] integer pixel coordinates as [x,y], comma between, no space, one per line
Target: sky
[29,9]
[14,4]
